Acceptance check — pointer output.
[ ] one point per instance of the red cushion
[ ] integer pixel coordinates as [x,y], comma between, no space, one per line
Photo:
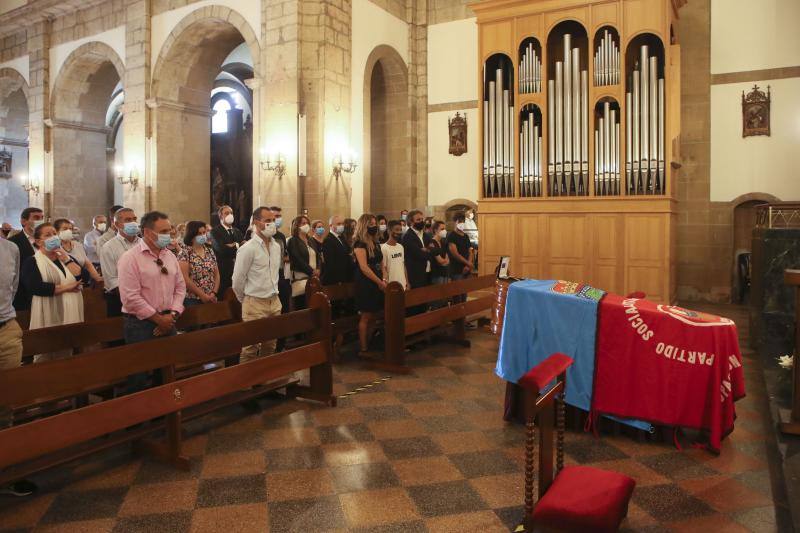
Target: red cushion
[537,378]
[583,498]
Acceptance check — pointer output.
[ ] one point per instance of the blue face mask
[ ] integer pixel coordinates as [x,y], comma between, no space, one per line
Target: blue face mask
[201,240]
[163,240]
[131,228]
[52,243]
[320,231]
[278,222]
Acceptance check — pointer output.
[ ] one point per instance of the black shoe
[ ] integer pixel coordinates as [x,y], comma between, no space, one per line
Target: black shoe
[20,488]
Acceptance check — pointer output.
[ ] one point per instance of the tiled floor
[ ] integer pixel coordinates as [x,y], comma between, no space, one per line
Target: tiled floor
[425,452]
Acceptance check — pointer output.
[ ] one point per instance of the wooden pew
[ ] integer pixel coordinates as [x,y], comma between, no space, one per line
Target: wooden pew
[46,442]
[399,328]
[342,325]
[94,308]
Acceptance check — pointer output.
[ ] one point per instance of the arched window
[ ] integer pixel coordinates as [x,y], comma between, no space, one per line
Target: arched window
[219,121]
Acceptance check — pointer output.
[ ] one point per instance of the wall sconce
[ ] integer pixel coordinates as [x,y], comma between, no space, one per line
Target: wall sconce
[132,179]
[30,185]
[276,163]
[346,164]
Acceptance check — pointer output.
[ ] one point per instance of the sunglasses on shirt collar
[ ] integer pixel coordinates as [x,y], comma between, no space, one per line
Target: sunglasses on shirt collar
[160,263]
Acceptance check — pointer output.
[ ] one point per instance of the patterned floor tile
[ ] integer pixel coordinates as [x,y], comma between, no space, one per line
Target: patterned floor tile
[352,453]
[85,505]
[316,514]
[154,523]
[294,458]
[427,470]
[452,497]
[366,476]
[483,521]
[252,518]
[676,466]
[234,464]
[299,484]
[160,498]
[410,448]
[378,507]
[231,491]
[500,491]
[724,494]
[667,503]
[344,433]
[485,463]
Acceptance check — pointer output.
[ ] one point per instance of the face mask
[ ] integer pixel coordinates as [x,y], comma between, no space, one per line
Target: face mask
[269,230]
[419,226]
[403,217]
[131,229]
[320,231]
[228,219]
[305,228]
[278,222]
[372,230]
[101,227]
[471,216]
[397,236]
[460,226]
[338,230]
[65,235]
[404,230]
[37,223]
[163,240]
[443,234]
[201,240]
[382,228]
[52,243]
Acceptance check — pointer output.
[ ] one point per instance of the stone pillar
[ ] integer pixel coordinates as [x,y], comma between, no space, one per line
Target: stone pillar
[137,133]
[325,91]
[276,105]
[417,17]
[40,160]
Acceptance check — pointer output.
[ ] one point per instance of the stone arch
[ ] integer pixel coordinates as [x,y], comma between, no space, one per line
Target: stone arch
[83,173]
[387,133]
[743,221]
[14,120]
[183,78]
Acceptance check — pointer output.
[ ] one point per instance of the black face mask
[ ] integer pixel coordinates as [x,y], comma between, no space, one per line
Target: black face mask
[419,226]
[397,236]
[372,230]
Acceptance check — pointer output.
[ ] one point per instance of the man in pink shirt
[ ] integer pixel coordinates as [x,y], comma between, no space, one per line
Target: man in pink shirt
[151,287]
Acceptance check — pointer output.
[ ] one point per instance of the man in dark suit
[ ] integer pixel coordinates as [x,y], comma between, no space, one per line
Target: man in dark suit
[31,218]
[226,239]
[417,255]
[338,267]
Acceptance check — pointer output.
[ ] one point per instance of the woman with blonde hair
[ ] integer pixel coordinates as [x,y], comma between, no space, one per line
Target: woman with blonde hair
[369,277]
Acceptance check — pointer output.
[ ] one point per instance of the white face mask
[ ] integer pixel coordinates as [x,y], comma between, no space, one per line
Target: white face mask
[269,230]
[305,228]
[101,227]
[338,230]
[382,228]
[460,226]
[442,234]
[471,216]
[228,219]
[65,235]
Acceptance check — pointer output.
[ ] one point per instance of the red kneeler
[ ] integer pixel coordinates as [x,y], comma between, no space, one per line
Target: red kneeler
[578,498]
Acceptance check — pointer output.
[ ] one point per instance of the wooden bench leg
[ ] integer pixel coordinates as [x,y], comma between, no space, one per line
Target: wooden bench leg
[169,451]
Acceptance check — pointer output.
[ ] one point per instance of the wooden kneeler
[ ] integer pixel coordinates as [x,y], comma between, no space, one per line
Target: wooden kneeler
[576,498]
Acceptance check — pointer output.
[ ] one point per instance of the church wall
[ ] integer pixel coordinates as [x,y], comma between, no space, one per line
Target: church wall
[21,65]
[372,27]
[452,87]
[8,5]
[115,38]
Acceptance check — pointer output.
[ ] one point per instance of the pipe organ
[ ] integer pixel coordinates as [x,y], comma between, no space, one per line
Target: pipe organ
[574,176]
[498,138]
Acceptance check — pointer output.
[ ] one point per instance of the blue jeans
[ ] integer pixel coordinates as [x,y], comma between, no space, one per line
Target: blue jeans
[461,298]
[136,330]
[439,280]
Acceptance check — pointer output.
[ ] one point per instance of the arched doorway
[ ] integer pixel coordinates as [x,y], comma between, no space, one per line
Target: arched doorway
[13,145]
[83,179]
[388,186]
[744,222]
[203,116]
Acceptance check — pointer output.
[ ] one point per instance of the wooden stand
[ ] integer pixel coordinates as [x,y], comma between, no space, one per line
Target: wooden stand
[621,243]
[792,277]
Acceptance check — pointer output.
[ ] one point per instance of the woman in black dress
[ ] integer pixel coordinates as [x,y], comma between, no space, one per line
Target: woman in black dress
[369,276]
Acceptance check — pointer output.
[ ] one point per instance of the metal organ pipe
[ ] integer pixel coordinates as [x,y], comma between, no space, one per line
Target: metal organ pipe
[530,67]
[606,61]
[645,127]
[498,135]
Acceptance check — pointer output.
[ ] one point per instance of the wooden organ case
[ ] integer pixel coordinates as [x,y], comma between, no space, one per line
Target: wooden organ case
[580,120]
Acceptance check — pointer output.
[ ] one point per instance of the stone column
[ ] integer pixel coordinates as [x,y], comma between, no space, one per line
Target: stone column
[325,91]
[40,160]
[277,98]
[137,133]
[417,17]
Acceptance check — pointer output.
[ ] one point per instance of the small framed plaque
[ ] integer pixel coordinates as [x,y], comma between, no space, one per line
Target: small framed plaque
[502,267]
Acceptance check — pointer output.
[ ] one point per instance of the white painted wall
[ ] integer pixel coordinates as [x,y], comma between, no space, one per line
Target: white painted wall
[452,61]
[372,26]
[21,64]
[451,177]
[755,164]
[748,35]
[163,23]
[115,38]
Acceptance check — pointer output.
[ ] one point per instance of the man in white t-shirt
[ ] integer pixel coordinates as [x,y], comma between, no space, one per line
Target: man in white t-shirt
[394,264]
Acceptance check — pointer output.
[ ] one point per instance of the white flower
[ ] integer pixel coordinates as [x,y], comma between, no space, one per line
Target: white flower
[786,361]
